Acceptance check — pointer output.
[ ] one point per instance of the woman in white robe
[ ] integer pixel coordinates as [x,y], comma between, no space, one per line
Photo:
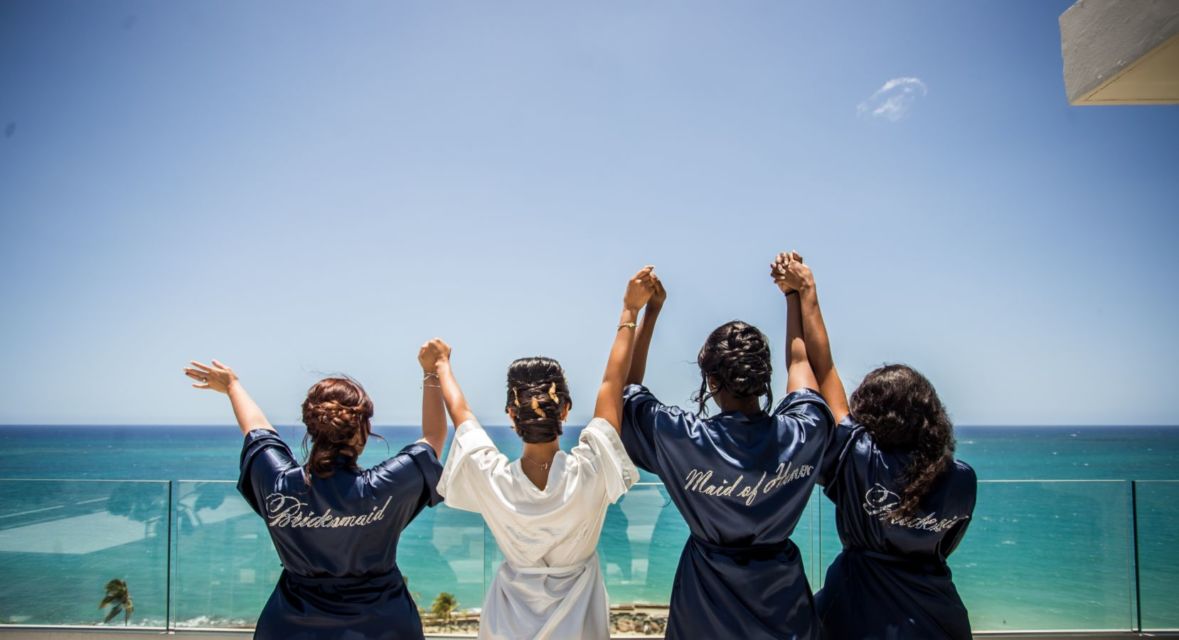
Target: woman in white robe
[545,509]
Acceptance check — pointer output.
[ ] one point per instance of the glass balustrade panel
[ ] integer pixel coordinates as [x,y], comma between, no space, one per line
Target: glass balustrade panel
[65,545]
[1158,553]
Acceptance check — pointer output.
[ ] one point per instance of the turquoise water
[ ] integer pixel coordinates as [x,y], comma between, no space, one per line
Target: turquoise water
[1040,554]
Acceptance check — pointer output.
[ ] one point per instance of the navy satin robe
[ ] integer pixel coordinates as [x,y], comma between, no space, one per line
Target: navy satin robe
[891,579]
[337,541]
[741,483]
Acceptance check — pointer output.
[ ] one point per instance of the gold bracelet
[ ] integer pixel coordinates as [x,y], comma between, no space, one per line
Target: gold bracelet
[431,386]
[627,325]
[426,375]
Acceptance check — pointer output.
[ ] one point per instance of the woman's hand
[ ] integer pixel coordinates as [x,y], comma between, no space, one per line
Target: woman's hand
[790,273]
[432,354]
[658,294]
[217,377]
[222,379]
[639,289]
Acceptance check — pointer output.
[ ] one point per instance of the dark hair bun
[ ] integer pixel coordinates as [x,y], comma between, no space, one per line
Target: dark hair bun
[903,412]
[338,416]
[736,358]
[538,397]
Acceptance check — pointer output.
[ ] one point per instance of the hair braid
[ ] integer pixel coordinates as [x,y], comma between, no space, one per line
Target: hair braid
[338,416]
[538,397]
[736,358]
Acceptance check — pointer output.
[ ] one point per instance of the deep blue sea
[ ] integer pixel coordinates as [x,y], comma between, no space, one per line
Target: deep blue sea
[1052,544]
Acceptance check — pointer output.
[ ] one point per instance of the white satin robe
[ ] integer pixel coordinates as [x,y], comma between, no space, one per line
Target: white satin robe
[550,584]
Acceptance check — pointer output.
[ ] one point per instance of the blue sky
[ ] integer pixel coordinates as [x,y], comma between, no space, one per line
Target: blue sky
[308,188]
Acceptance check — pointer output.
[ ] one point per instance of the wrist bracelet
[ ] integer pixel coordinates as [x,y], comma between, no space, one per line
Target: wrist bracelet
[793,293]
[426,375]
[431,386]
[627,325]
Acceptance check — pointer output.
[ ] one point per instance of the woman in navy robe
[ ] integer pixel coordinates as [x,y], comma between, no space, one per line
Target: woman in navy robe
[902,502]
[335,526]
[741,480]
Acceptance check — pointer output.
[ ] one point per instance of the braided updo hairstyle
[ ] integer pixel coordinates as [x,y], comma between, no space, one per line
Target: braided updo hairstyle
[538,397]
[338,415]
[736,358]
[902,411]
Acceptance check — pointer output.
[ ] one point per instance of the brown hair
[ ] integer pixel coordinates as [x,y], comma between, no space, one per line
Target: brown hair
[538,395]
[902,411]
[338,415]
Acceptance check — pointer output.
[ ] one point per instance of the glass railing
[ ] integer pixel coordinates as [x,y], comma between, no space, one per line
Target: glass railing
[1156,515]
[1039,555]
[445,549]
[224,566]
[64,542]
[1048,556]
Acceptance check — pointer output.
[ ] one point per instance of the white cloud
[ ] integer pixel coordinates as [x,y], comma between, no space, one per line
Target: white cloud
[893,100]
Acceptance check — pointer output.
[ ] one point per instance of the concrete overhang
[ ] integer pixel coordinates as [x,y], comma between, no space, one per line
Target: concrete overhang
[1121,52]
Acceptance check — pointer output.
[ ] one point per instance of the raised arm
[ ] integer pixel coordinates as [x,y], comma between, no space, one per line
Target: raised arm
[609,404]
[222,379]
[452,394]
[799,374]
[638,360]
[433,411]
[794,273]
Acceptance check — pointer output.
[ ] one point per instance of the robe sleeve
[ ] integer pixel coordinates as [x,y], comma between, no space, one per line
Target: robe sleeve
[805,411]
[470,464]
[600,447]
[265,458]
[969,489]
[644,421]
[843,439]
[413,473]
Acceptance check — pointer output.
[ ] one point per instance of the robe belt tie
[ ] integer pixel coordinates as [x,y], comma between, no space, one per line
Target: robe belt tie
[768,550]
[549,571]
[912,564]
[392,579]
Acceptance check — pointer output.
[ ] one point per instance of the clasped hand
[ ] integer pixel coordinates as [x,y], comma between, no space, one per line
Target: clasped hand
[790,273]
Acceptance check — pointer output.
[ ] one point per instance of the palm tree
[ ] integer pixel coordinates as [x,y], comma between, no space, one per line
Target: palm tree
[444,605]
[119,598]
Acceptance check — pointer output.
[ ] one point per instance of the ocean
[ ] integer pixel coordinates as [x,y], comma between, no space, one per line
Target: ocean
[1052,544]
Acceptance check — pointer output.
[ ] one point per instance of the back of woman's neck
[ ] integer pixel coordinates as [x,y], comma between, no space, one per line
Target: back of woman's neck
[537,459]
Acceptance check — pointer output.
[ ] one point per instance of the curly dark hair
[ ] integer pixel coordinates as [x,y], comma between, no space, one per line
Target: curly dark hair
[538,397]
[338,415]
[902,411]
[736,357]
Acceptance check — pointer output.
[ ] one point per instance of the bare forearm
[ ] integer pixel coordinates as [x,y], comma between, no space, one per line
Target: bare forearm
[815,333]
[249,415]
[818,348]
[638,360]
[433,414]
[609,404]
[798,366]
[452,395]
